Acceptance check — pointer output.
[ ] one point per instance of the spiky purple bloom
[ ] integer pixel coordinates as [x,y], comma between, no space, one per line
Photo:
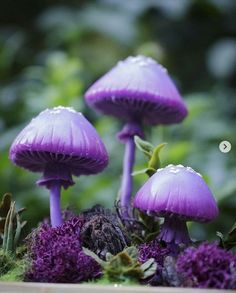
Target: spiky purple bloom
[154,249]
[56,255]
[178,194]
[207,266]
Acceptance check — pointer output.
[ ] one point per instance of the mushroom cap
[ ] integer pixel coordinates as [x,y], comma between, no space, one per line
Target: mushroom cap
[177,191]
[63,137]
[138,88]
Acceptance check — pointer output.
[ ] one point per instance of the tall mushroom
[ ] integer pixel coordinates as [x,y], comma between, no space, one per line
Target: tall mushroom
[137,90]
[178,194]
[59,142]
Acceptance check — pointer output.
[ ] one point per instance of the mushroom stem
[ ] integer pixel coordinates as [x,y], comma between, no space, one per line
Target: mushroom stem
[174,230]
[127,182]
[54,177]
[55,207]
[126,135]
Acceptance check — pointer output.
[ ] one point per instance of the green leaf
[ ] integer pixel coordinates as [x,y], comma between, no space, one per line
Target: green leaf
[132,251]
[220,235]
[23,224]
[11,225]
[228,241]
[123,267]
[144,146]
[5,205]
[109,256]
[9,231]
[18,230]
[147,171]
[136,238]
[94,256]
[151,236]
[148,228]
[154,162]
[153,154]
[149,268]
[20,211]
[6,224]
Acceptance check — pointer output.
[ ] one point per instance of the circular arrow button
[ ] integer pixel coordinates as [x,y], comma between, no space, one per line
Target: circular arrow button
[225,146]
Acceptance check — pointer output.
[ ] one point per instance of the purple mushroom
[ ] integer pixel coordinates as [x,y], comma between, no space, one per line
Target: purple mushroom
[178,194]
[137,90]
[59,142]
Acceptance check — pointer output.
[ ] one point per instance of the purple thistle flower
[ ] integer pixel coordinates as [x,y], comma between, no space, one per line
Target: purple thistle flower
[207,266]
[154,249]
[56,255]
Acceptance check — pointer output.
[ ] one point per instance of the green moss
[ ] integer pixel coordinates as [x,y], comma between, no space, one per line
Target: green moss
[105,281]
[11,268]
[16,273]
[6,262]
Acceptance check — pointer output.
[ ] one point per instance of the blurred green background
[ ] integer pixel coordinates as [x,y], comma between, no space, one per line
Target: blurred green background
[51,51]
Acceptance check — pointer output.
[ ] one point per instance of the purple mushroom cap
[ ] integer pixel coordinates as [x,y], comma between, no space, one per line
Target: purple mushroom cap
[59,142]
[177,190]
[138,89]
[178,194]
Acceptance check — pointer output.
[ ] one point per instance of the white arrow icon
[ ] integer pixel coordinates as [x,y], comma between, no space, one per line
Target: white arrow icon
[225,146]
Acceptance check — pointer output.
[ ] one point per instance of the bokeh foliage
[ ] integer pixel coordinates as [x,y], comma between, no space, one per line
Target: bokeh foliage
[51,51]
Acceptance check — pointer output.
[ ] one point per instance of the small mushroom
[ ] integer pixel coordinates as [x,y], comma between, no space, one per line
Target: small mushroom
[137,90]
[178,194]
[59,142]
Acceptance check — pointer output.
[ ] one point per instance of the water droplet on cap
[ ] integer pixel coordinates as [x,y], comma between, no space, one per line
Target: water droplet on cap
[189,169]
[163,68]
[140,60]
[175,171]
[58,109]
[199,174]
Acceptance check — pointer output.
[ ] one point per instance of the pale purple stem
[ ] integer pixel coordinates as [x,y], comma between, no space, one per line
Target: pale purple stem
[55,207]
[127,182]
[174,230]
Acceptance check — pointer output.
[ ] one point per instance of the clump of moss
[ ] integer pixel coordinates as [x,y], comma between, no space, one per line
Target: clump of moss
[56,255]
[207,266]
[12,265]
[16,273]
[6,262]
[11,268]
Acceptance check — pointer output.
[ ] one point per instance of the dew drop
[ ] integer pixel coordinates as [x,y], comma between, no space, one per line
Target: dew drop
[163,68]
[199,174]
[180,166]
[175,171]
[58,109]
[170,165]
[193,171]
[190,170]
